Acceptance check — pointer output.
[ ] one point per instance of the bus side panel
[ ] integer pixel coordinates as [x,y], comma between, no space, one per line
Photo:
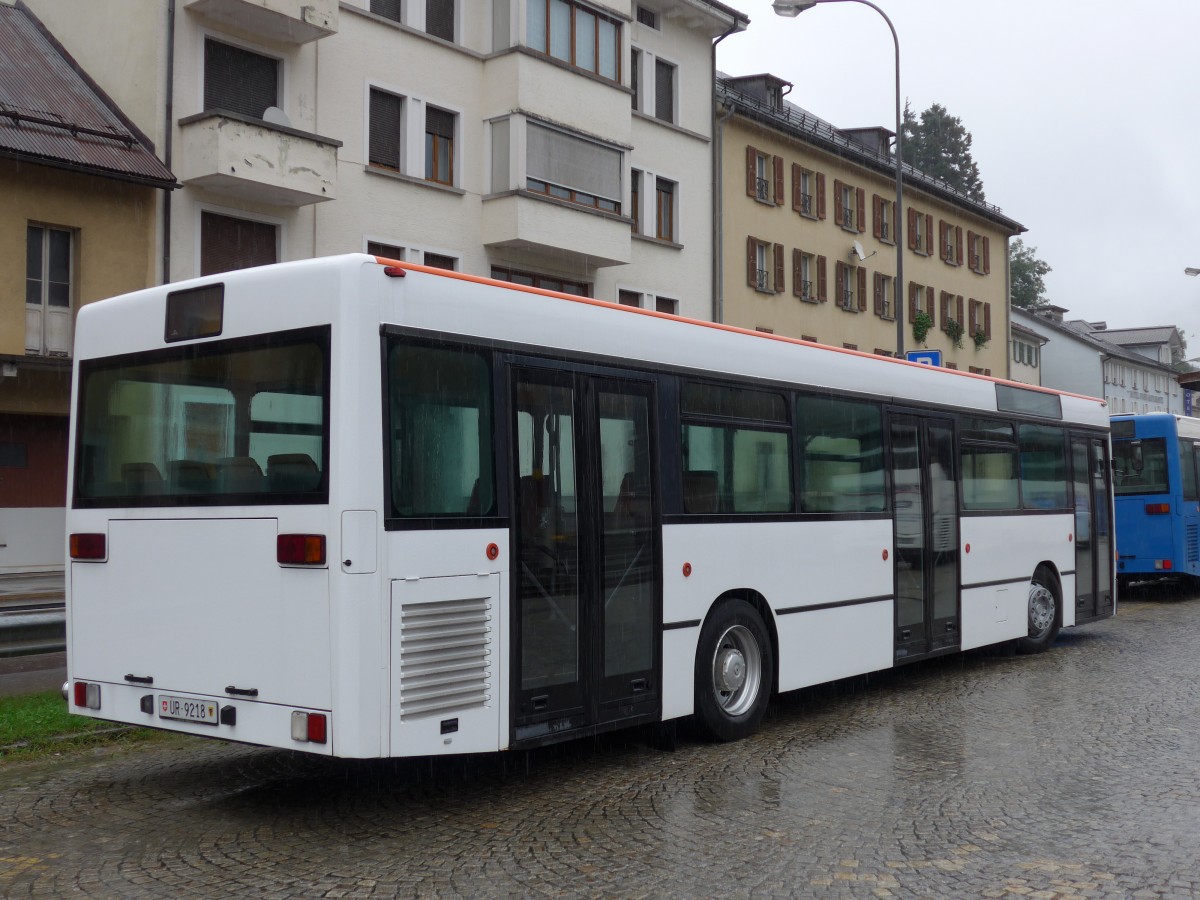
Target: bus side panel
[791,564]
[1143,541]
[994,607]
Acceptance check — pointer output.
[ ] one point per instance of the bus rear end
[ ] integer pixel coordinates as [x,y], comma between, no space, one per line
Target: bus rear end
[198,582]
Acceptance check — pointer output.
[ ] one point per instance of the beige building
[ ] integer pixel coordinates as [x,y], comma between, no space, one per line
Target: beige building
[77,223]
[808,228]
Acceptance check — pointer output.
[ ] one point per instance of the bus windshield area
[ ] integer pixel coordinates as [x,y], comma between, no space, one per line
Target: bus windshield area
[228,422]
[1140,467]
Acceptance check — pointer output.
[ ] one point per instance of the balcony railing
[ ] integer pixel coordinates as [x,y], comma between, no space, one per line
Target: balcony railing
[762,279]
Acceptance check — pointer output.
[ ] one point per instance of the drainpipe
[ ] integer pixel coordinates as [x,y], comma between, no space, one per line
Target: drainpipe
[718,234]
[167,140]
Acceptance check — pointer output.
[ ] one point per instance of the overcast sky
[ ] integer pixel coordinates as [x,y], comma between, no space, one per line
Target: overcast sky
[1085,116]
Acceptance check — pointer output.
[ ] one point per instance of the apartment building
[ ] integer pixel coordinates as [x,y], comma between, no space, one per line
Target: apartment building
[808,238]
[549,142]
[79,184]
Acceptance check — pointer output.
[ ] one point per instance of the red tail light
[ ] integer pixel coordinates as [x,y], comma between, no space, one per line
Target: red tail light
[316,728]
[1158,509]
[90,547]
[310,727]
[87,695]
[300,549]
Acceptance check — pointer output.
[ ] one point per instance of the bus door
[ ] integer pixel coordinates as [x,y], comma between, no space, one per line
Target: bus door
[1093,535]
[925,503]
[587,605]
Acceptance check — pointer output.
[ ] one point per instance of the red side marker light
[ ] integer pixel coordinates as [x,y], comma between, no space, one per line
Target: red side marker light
[300,549]
[1158,509]
[393,272]
[89,547]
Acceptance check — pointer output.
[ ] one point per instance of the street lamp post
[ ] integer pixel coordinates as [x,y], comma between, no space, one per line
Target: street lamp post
[792,8]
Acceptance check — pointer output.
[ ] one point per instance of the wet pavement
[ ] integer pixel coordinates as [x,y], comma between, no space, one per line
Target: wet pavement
[1075,773]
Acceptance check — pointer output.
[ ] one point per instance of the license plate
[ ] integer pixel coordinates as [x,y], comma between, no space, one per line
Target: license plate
[187,709]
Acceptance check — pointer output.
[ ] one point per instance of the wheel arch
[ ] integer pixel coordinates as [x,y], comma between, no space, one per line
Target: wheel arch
[1056,584]
[763,608]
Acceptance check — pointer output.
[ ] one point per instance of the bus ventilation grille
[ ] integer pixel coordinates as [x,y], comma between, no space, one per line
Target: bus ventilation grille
[1192,545]
[445,657]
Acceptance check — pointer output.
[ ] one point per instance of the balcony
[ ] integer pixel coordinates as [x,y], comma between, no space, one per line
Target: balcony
[253,160]
[281,21]
[526,221]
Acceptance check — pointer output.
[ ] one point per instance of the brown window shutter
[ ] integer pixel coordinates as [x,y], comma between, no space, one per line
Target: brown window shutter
[822,285]
[943,230]
[796,199]
[929,303]
[778,164]
[958,244]
[876,215]
[751,171]
[839,282]
[820,195]
[987,256]
[861,209]
[862,289]
[780,282]
[987,320]
[751,262]
[913,288]
[912,229]
[929,232]
[838,218]
[972,316]
[879,293]
[797,286]
[971,247]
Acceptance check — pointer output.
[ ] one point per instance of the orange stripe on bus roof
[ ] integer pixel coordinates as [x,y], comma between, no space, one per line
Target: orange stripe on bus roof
[719,326]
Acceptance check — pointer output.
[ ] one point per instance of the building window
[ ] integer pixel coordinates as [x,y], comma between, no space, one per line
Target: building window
[387,251]
[764,266]
[439,19]
[439,145]
[951,310]
[629,298]
[920,232]
[808,192]
[577,35]
[666,305]
[389,9]
[545,282]
[228,243]
[950,240]
[979,253]
[439,261]
[238,80]
[573,169]
[805,277]
[979,319]
[49,266]
[884,217]
[664,91]
[635,199]
[885,296]
[764,177]
[920,299]
[849,207]
[385,130]
[647,17]
[635,76]
[850,287]
[664,196]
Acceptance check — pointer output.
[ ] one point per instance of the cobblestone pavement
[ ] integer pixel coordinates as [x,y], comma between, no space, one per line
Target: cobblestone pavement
[1069,774]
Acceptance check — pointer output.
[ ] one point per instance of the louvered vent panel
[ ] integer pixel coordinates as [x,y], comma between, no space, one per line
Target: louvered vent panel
[445,656]
[1193,544]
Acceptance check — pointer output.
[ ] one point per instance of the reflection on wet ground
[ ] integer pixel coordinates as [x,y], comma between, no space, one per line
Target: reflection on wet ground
[1072,773]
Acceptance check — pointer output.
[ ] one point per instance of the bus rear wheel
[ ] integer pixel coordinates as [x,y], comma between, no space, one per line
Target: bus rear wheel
[1044,611]
[735,669]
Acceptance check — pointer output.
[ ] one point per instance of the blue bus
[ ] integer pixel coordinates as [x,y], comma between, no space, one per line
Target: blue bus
[1157,496]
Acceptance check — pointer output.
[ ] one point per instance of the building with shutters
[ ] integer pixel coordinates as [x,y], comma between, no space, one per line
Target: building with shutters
[808,229]
[80,183]
[565,144]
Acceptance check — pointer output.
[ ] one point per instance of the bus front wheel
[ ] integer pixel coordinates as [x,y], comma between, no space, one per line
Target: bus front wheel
[1044,611]
[735,669]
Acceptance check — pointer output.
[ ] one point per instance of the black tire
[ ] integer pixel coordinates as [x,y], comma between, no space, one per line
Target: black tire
[1044,612]
[735,669]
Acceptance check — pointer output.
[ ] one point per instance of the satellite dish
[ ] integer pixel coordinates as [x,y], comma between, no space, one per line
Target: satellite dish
[858,250]
[276,116]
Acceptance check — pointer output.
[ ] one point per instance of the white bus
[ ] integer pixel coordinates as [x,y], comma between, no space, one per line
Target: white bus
[362,508]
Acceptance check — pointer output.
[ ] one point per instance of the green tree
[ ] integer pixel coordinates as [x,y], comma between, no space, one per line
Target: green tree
[940,146]
[1027,271]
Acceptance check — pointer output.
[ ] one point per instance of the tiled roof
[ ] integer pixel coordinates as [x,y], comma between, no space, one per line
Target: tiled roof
[51,112]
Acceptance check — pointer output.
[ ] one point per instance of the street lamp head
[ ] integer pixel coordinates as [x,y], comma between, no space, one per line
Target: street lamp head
[789,9]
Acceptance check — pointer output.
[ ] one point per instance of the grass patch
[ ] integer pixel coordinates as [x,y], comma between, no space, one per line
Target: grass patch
[35,724]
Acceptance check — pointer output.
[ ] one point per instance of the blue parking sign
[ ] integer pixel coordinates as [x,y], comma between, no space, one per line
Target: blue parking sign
[925,357]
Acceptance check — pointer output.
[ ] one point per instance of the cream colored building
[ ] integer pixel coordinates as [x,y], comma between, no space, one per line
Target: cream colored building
[808,228]
[495,137]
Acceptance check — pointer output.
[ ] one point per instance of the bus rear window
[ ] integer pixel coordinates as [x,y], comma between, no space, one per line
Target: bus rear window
[231,422]
[1140,467]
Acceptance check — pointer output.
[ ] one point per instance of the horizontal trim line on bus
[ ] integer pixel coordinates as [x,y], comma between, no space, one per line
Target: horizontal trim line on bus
[984,584]
[987,513]
[158,501]
[672,626]
[588,363]
[859,601]
[733,518]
